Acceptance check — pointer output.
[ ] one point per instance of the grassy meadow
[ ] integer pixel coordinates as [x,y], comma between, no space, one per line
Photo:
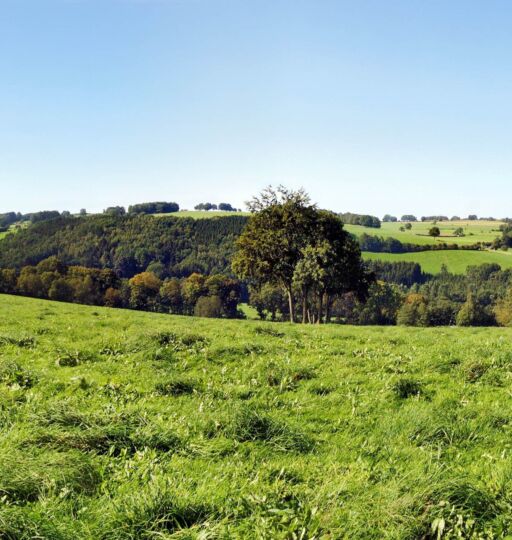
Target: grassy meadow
[475,231]
[130,425]
[455,260]
[201,214]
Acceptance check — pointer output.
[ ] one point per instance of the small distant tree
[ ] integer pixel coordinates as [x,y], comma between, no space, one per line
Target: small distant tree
[144,289]
[158,268]
[408,226]
[472,313]
[8,281]
[115,211]
[503,310]
[83,212]
[459,231]
[413,311]
[269,299]
[381,307]
[435,232]
[472,217]
[61,290]
[226,207]
[113,298]
[192,288]
[208,306]
[389,219]
[170,295]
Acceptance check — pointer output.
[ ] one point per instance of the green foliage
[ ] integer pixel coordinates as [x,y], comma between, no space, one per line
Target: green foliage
[128,244]
[290,244]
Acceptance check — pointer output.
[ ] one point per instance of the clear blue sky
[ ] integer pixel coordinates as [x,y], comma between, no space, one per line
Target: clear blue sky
[372,106]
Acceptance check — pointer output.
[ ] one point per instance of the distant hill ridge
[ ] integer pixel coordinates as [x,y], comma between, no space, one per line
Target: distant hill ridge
[128,244]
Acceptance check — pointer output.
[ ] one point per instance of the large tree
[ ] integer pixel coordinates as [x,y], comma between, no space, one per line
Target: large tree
[290,243]
[270,246]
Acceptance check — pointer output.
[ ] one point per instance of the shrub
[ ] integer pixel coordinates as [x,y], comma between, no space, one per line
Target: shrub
[208,306]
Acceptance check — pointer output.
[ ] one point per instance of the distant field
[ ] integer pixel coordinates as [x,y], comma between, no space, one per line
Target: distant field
[198,214]
[13,229]
[123,425]
[475,231]
[456,260]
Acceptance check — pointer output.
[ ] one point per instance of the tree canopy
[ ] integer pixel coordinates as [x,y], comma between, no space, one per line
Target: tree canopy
[290,243]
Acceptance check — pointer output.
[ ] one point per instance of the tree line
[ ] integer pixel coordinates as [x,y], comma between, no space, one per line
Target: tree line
[401,294]
[363,220]
[206,296]
[379,244]
[224,207]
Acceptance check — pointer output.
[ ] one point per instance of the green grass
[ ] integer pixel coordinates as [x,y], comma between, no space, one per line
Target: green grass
[129,425]
[14,229]
[456,260]
[198,214]
[475,231]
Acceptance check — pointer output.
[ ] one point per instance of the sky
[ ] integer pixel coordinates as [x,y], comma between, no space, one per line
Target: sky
[372,106]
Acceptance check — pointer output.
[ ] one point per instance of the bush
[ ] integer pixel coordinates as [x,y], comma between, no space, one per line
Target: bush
[208,306]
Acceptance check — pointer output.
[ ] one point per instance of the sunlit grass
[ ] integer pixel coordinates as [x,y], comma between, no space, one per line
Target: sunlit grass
[128,425]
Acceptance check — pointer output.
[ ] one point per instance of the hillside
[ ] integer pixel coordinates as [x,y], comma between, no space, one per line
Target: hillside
[187,242]
[129,425]
[201,214]
[474,232]
[456,261]
[128,244]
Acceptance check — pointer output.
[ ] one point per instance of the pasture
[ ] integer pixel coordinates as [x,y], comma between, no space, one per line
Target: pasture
[202,214]
[455,260]
[129,425]
[474,231]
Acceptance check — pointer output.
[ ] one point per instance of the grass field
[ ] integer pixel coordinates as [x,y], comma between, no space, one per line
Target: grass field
[198,214]
[456,260]
[475,231]
[130,425]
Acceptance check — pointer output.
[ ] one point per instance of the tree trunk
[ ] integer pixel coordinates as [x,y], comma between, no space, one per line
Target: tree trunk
[290,305]
[304,308]
[328,310]
[320,307]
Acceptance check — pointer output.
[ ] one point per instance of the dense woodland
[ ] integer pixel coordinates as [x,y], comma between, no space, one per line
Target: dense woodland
[128,244]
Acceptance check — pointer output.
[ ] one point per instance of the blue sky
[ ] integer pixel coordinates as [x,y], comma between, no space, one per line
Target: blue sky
[372,106]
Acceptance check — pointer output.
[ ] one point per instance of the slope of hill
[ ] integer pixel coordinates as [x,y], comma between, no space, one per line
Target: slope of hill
[186,242]
[201,214]
[128,244]
[455,260]
[128,425]
[474,232]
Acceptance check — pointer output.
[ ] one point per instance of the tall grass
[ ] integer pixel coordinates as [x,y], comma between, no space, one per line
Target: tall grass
[128,425]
